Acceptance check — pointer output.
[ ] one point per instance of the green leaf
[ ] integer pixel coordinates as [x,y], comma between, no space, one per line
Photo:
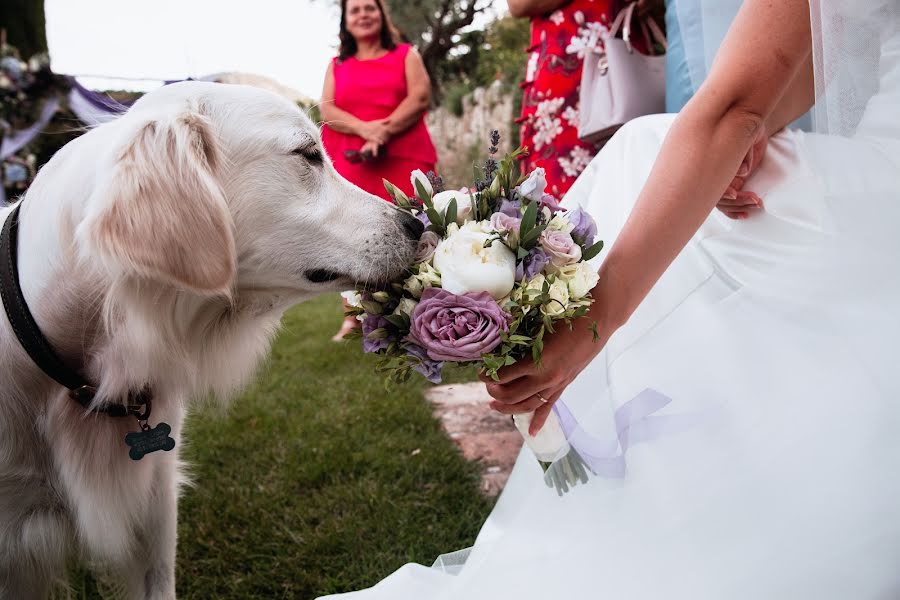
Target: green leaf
[528,220]
[373,308]
[521,252]
[450,215]
[378,334]
[437,221]
[593,251]
[422,193]
[397,321]
[595,332]
[530,239]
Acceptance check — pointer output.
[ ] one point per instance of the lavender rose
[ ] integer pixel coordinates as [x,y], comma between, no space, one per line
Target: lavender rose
[511,208]
[584,228]
[425,249]
[534,185]
[429,369]
[502,223]
[423,218]
[560,247]
[374,323]
[532,264]
[549,202]
[457,328]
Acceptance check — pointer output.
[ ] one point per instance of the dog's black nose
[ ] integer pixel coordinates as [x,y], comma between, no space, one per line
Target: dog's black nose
[413,227]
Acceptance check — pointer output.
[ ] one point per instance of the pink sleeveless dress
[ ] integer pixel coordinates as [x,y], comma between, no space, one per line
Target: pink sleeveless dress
[370,90]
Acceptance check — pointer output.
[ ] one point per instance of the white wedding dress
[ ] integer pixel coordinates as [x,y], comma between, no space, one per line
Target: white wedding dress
[774,471]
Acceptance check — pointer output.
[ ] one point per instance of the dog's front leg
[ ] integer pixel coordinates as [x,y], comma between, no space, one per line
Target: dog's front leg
[150,574]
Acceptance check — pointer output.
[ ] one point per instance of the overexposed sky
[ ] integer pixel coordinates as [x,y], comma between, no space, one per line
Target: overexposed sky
[145,41]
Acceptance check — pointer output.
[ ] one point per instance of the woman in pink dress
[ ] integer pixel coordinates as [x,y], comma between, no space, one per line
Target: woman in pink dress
[374,101]
[373,104]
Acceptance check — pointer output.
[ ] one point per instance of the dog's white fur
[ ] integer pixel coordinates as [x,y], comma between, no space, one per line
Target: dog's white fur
[162,248]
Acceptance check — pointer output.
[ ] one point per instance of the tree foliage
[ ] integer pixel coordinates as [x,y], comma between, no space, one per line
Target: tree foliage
[23,21]
[439,29]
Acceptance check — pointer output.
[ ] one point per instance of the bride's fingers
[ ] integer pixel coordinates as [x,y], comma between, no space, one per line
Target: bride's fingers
[542,412]
[510,373]
[526,406]
[515,391]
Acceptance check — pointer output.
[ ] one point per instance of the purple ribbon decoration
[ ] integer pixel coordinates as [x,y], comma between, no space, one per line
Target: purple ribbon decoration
[93,108]
[635,422]
[16,140]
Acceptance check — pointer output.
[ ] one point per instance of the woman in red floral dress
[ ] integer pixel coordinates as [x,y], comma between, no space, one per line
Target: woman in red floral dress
[562,33]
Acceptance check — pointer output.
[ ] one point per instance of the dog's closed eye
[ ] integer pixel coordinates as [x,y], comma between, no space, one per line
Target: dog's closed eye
[310,153]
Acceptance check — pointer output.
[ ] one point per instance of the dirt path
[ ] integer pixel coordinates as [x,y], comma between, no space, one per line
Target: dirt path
[481,434]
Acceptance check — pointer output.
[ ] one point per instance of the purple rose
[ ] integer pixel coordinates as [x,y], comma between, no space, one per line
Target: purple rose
[426,246]
[585,229]
[457,328]
[370,324]
[532,264]
[430,369]
[424,218]
[511,208]
[550,203]
[560,247]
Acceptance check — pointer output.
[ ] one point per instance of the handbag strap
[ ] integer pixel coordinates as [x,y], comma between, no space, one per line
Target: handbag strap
[658,34]
[623,21]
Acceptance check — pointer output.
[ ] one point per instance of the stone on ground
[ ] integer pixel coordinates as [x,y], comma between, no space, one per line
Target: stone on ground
[482,434]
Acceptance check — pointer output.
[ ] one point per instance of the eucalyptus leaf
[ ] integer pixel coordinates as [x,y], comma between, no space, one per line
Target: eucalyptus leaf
[422,193]
[593,251]
[373,308]
[528,220]
[450,215]
[397,321]
[437,221]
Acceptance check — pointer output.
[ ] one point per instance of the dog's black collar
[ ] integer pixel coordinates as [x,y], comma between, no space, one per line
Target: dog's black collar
[37,346]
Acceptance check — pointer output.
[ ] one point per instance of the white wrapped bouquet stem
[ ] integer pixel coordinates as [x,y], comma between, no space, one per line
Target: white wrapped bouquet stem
[563,467]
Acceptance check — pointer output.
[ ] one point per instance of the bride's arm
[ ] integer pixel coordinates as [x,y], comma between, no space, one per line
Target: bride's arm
[767,45]
[759,60]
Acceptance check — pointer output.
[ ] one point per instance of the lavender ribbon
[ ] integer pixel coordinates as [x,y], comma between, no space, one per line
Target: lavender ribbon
[635,422]
[17,140]
[93,108]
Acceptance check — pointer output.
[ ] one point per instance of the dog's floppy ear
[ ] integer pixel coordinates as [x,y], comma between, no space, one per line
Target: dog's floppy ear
[162,214]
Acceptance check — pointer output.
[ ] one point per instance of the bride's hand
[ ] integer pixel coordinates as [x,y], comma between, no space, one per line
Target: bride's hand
[524,387]
[738,202]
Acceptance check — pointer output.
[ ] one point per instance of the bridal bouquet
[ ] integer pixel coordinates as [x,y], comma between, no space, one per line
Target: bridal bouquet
[498,267]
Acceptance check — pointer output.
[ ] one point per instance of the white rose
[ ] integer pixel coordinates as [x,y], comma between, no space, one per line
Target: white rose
[560,223]
[422,178]
[559,299]
[536,283]
[426,277]
[353,298]
[581,279]
[467,266]
[533,187]
[406,306]
[463,204]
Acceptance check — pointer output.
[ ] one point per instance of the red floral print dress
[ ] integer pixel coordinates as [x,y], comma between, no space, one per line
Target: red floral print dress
[549,122]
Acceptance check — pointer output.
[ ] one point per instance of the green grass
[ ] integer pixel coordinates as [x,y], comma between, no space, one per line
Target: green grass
[318,480]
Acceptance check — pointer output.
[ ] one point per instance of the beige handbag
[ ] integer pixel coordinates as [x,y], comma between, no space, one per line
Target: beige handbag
[618,83]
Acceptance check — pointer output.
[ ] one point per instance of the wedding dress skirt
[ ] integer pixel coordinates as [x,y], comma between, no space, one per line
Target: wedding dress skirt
[774,470]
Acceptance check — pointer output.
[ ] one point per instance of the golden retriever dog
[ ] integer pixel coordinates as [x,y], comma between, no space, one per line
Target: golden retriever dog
[160,251]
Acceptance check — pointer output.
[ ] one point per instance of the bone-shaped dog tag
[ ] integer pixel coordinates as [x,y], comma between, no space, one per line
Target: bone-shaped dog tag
[149,439]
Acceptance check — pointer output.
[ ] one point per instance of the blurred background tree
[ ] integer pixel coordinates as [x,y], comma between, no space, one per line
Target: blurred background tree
[460,57]
[25,26]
